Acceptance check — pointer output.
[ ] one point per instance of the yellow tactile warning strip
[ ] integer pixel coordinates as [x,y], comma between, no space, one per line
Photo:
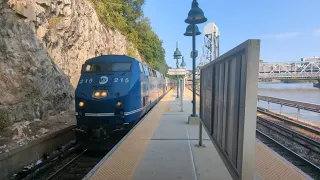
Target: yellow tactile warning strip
[269,166]
[123,162]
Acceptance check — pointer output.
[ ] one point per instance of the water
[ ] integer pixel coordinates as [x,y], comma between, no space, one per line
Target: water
[292,91]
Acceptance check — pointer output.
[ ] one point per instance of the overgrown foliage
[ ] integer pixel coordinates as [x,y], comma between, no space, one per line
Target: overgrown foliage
[4,119]
[127,17]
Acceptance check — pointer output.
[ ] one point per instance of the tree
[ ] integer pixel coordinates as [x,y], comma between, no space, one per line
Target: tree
[127,16]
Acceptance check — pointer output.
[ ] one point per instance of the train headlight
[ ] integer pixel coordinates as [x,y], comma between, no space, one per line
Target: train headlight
[96,94]
[119,103]
[100,94]
[104,94]
[81,104]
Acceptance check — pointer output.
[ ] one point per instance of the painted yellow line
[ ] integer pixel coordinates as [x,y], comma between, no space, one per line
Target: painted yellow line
[269,166]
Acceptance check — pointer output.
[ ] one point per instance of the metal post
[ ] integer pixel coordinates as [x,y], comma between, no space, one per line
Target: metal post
[281,109]
[200,135]
[177,81]
[298,114]
[194,72]
[268,105]
[184,83]
[177,87]
[181,95]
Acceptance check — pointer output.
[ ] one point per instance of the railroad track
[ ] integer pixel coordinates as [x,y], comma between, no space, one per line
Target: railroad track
[301,144]
[77,167]
[303,164]
[49,161]
[300,138]
[290,121]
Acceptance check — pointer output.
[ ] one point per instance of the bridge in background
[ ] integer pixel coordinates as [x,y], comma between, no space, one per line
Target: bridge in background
[299,70]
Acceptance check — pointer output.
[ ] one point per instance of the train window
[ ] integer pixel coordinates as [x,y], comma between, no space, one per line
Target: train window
[149,71]
[88,67]
[145,70]
[141,69]
[107,67]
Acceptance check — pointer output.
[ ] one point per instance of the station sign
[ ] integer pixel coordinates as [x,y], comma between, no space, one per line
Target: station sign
[177,72]
[195,54]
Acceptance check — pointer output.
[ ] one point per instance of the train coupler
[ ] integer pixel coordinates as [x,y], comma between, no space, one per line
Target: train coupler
[80,130]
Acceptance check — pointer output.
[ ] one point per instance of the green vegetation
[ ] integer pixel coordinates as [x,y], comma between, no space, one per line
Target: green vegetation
[54,21]
[4,119]
[127,17]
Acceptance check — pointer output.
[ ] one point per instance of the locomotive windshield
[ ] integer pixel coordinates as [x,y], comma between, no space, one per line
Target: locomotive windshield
[106,67]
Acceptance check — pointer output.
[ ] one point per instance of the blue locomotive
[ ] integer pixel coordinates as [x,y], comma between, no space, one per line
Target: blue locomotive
[113,93]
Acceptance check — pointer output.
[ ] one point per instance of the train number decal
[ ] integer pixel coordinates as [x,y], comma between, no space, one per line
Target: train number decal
[103,80]
[121,80]
[86,81]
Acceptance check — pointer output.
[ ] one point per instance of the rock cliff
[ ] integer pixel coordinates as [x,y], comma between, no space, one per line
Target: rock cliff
[71,32]
[43,44]
[32,87]
[30,82]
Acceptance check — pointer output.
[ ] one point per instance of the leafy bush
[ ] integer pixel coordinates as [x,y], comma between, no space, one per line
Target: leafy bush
[127,17]
[4,119]
[54,21]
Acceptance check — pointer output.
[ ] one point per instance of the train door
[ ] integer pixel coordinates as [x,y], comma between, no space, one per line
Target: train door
[163,84]
[145,86]
[142,84]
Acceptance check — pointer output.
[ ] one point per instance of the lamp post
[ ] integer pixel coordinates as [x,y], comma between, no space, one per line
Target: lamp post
[183,65]
[195,16]
[177,55]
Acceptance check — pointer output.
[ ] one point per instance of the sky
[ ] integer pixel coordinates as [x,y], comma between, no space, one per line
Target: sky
[288,29]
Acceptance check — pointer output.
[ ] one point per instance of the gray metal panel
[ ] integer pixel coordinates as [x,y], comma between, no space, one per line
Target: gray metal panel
[206,97]
[233,106]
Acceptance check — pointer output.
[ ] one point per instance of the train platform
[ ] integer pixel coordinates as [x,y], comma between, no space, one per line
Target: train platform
[162,146]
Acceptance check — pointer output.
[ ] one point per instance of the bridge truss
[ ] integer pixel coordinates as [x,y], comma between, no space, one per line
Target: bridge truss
[289,70]
[210,46]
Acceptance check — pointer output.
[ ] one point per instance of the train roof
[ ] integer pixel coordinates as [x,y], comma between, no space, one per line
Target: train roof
[114,58]
[109,58]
